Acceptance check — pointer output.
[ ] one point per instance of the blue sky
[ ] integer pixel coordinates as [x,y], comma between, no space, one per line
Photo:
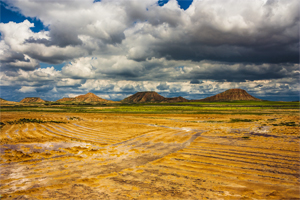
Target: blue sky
[8,15]
[194,49]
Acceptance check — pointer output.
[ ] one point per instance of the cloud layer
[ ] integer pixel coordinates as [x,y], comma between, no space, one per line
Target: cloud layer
[118,47]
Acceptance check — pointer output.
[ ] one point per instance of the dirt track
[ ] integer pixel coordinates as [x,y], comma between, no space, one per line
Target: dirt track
[119,156]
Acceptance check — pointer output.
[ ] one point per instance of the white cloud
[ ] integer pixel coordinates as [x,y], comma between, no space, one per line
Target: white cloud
[72,95]
[68,82]
[26,89]
[54,90]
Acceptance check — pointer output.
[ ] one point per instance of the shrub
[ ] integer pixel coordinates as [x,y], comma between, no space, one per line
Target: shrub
[240,120]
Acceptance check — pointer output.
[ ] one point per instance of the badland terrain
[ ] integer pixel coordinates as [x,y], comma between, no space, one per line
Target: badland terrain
[148,147]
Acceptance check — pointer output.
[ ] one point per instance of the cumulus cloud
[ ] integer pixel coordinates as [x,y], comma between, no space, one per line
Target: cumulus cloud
[245,31]
[67,82]
[116,48]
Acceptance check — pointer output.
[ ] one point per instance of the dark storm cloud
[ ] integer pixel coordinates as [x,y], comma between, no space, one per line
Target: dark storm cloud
[241,32]
[13,61]
[39,41]
[241,72]
[13,57]
[59,38]
[63,36]
[228,53]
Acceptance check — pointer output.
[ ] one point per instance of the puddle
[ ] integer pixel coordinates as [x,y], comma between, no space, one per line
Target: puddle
[264,135]
[262,129]
[8,136]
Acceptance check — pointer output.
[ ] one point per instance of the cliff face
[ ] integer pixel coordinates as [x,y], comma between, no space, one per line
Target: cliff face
[232,95]
[32,100]
[86,98]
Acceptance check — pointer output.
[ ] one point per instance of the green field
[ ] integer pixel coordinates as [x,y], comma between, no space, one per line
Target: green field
[234,107]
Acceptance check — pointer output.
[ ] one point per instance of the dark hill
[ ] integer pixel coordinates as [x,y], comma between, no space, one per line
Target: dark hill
[151,96]
[231,95]
[141,97]
[176,99]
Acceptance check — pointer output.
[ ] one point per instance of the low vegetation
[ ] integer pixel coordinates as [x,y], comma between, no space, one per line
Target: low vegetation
[240,120]
[25,120]
[286,124]
[246,137]
[75,118]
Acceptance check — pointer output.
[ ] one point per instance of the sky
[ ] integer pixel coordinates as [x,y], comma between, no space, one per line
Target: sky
[115,48]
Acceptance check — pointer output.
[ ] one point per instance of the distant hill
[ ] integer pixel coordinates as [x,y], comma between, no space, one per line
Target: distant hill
[65,99]
[176,99]
[32,100]
[151,96]
[141,97]
[231,95]
[86,98]
[3,101]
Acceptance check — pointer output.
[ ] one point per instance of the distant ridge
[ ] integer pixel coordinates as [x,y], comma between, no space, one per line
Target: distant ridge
[32,100]
[86,98]
[231,95]
[3,101]
[176,99]
[151,96]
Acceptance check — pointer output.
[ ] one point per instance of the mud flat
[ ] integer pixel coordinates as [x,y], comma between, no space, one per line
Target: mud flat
[149,156]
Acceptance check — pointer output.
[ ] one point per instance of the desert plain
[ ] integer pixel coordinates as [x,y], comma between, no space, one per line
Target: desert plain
[250,153]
